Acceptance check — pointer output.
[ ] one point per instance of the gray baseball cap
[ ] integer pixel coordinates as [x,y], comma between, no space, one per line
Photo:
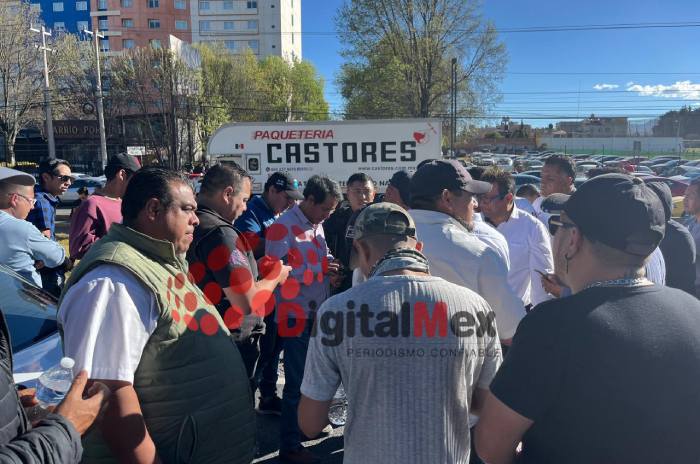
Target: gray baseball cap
[13,176]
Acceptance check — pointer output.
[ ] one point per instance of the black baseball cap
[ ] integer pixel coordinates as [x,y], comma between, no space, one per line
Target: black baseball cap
[401,180]
[435,176]
[617,210]
[283,181]
[123,161]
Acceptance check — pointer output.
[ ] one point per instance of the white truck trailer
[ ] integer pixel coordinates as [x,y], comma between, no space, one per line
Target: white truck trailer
[335,149]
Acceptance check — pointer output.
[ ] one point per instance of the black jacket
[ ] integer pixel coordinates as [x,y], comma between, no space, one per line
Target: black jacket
[678,249]
[53,440]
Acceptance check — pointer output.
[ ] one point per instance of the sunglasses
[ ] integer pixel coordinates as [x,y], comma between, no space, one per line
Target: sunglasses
[555,224]
[63,178]
[484,199]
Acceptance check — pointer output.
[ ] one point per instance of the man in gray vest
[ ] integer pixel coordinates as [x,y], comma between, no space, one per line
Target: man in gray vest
[134,318]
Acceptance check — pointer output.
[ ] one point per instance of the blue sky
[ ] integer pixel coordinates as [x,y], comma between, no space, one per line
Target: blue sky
[640,72]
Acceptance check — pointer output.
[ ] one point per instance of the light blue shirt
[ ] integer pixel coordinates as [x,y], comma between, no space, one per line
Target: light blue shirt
[22,244]
[302,245]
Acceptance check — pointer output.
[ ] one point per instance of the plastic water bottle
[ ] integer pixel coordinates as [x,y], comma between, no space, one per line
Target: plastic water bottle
[338,411]
[55,383]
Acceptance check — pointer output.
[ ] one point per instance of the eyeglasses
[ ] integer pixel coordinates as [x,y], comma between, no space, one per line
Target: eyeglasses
[32,201]
[555,224]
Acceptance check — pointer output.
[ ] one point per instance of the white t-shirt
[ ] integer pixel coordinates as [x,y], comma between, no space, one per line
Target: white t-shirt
[107,318]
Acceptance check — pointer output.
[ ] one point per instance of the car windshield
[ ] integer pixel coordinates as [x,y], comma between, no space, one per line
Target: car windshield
[29,311]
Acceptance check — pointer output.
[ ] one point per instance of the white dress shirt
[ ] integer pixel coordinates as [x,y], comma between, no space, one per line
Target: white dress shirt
[530,250]
[492,238]
[459,257]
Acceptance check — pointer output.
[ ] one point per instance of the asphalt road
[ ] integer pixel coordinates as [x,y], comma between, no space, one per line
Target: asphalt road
[329,448]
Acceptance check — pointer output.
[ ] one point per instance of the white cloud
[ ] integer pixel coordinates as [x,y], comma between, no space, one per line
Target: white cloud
[681,89]
[605,86]
[629,83]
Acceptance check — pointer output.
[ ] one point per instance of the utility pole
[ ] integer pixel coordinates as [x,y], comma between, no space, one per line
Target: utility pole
[453,108]
[47,95]
[100,108]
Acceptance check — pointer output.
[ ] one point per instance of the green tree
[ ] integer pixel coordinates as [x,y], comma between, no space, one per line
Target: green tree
[152,87]
[399,57]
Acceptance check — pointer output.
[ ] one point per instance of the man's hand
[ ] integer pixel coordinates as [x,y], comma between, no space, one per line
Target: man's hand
[551,285]
[82,412]
[38,265]
[284,273]
[27,397]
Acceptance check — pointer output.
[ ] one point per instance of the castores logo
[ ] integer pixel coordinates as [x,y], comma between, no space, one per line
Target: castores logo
[411,320]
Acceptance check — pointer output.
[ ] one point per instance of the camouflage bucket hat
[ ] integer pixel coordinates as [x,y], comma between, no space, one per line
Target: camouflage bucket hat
[381,219]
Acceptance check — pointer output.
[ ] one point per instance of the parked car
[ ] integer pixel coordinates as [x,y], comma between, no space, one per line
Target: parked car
[535,173]
[643,170]
[71,197]
[31,318]
[522,179]
[677,186]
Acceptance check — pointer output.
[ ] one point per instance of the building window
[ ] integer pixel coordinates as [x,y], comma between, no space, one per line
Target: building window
[254,45]
[203,5]
[126,3]
[128,43]
[81,5]
[153,3]
[228,4]
[154,23]
[81,25]
[57,6]
[127,23]
[205,26]
[104,45]
[180,25]
[59,26]
[274,46]
[180,5]
[251,4]
[102,4]
[228,25]
[253,24]
[103,24]
[230,44]
[154,43]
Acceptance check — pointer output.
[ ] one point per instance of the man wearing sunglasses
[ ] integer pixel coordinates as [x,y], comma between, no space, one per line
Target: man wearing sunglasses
[609,373]
[23,243]
[54,179]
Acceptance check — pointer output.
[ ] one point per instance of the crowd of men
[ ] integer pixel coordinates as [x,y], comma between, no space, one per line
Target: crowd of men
[465,320]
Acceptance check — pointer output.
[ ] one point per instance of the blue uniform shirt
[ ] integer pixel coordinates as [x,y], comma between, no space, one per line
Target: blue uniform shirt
[43,215]
[257,218]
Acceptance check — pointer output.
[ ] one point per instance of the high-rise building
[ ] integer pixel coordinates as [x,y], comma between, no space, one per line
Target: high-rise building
[64,15]
[140,23]
[267,27]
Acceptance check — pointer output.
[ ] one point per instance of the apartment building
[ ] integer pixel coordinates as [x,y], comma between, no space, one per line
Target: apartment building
[267,27]
[70,16]
[140,23]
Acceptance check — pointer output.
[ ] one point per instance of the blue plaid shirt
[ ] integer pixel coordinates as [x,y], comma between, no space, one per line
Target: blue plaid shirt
[43,215]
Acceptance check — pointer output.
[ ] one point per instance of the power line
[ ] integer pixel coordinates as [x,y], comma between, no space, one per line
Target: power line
[530,29]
